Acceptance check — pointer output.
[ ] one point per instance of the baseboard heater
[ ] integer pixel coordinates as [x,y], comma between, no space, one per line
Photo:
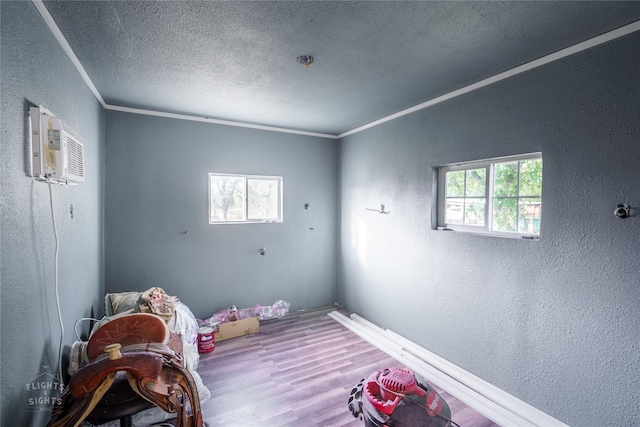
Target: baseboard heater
[492,402]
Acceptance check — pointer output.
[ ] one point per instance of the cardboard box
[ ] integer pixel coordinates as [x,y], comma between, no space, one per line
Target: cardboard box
[238,328]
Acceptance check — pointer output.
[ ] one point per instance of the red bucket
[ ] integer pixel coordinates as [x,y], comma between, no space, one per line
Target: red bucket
[206,339]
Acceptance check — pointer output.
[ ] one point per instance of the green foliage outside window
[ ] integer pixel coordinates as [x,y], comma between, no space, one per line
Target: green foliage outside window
[517,190]
[508,193]
[465,192]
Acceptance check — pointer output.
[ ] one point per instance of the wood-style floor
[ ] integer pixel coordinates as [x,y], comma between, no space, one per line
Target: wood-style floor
[297,371]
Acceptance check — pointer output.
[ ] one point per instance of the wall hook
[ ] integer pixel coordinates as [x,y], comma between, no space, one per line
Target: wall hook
[263,251]
[623,211]
[381,210]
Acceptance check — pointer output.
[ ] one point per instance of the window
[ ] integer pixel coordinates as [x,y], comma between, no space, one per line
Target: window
[497,196]
[244,198]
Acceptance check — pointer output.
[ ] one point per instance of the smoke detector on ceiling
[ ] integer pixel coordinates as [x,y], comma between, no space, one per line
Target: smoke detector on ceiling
[305,60]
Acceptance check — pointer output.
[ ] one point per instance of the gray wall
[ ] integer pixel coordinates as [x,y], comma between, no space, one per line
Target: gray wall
[35,70]
[554,322]
[156,190]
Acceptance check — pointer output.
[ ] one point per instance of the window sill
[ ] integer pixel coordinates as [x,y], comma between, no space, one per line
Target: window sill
[517,236]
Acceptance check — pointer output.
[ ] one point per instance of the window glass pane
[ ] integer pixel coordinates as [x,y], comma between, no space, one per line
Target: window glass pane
[263,199]
[453,211]
[227,198]
[499,196]
[455,184]
[476,182]
[531,177]
[505,179]
[474,212]
[530,214]
[505,214]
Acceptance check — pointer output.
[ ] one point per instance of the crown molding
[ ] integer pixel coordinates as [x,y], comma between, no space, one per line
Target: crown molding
[563,53]
[48,19]
[217,121]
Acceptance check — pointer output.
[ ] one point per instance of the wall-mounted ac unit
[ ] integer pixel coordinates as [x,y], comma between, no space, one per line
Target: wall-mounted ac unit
[57,151]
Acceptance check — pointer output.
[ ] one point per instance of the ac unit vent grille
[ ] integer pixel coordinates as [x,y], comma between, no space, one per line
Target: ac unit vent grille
[76,157]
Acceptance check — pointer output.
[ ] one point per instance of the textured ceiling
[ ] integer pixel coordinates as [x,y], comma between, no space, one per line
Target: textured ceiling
[236,60]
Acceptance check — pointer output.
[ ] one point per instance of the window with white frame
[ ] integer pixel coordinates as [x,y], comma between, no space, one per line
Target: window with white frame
[500,196]
[235,198]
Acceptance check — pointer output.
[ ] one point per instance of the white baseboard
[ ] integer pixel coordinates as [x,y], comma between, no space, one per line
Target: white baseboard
[492,402]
